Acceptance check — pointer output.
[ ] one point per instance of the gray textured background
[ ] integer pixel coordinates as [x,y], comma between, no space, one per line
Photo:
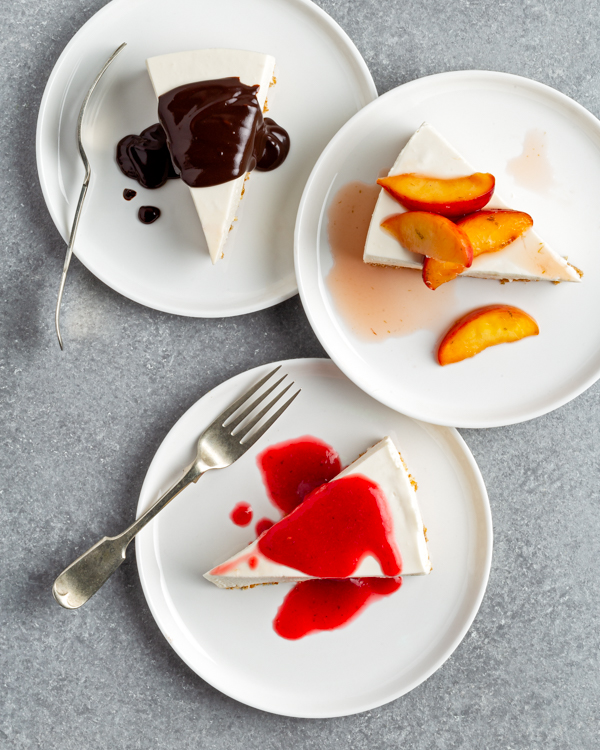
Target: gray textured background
[79,428]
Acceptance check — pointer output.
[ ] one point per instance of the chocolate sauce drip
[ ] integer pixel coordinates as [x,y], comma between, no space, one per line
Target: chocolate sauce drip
[129,194]
[145,157]
[216,131]
[276,148]
[148,214]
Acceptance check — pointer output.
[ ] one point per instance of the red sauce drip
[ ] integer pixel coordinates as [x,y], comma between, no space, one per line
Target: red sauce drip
[253,562]
[226,567]
[292,469]
[335,527]
[241,515]
[326,605]
[263,525]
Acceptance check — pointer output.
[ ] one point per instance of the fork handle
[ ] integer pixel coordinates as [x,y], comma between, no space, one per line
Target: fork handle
[77,583]
[69,253]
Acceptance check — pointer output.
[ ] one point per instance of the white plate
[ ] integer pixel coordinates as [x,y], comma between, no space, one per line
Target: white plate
[487,117]
[322,81]
[226,636]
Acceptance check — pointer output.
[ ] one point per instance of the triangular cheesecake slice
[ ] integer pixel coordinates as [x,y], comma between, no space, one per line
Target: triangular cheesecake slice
[216,205]
[428,153]
[365,523]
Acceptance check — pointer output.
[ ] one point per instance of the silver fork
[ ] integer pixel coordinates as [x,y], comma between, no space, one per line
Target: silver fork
[221,443]
[82,194]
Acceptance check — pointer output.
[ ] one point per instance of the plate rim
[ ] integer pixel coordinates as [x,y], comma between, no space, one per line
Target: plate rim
[302,272]
[481,502]
[366,84]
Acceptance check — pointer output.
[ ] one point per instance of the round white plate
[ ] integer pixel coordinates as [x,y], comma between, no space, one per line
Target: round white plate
[322,81]
[227,637]
[488,117]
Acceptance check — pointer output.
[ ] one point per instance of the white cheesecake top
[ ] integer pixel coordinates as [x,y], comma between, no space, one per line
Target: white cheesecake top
[380,464]
[428,153]
[216,205]
[167,72]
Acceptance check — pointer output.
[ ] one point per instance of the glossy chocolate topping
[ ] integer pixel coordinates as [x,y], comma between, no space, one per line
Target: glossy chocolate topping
[148,214]
[145,157]
[276,148]
[216,131]
[129,194]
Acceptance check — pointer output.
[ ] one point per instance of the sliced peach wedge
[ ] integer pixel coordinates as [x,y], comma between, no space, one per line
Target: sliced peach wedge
[492,229]
[488,231]
[484,327]
[438,272]
[452,197]
[431,235]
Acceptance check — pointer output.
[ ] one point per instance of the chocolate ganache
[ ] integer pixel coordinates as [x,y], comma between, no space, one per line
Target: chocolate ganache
[145,157]
[276,148]
[216,132]
[148,214]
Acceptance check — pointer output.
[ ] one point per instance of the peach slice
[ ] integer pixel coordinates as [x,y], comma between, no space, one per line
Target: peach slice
[431,235]
[486,326]
[493,229]
[454,197]
[438,272]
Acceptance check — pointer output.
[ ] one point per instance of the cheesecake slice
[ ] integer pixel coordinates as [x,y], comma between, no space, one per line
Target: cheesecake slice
[216,205]
[428,153]
[338,532]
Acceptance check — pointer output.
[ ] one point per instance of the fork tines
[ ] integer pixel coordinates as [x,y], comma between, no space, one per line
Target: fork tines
[243,423]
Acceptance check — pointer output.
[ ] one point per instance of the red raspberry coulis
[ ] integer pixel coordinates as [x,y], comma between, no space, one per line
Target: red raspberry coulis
[292,469]
[327,605]
[241,515]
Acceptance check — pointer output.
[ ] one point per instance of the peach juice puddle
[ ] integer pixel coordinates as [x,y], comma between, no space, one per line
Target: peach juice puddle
[532,169]
[376,302]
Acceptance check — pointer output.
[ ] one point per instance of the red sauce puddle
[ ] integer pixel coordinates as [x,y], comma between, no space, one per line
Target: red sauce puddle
[376,302]
[327,605]
[292,469]
[241,515]
[334,529]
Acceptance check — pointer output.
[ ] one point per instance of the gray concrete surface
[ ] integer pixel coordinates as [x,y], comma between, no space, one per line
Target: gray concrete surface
[78,429]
